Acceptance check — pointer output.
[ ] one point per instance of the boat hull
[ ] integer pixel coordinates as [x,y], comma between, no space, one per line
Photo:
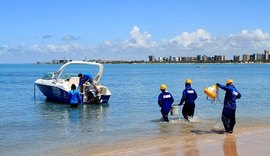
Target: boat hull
[54,93]
[60,95]
[104,98]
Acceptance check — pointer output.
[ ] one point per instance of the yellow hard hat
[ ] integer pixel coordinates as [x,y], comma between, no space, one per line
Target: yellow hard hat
[163,86]
[188,81]
[229,81]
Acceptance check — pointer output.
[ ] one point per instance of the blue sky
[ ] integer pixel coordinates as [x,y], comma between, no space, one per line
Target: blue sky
[38,30]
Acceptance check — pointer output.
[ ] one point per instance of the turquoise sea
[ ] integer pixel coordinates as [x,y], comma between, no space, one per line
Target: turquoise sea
[34,126]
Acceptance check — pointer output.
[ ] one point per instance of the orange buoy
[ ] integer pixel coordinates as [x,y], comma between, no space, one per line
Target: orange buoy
[211,91]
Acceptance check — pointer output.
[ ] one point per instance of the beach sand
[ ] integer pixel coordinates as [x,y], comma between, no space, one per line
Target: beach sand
[248,142]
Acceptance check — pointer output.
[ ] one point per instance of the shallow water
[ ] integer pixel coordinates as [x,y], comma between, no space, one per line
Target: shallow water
[36,126]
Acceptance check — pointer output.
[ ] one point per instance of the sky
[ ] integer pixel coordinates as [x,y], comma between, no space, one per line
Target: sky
[42,30]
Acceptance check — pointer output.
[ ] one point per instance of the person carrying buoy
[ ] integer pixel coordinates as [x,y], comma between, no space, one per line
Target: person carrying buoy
[189,96]
[165,100]
[229,108]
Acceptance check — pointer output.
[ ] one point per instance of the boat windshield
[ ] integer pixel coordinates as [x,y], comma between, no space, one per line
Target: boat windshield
[48,76]
[68,75]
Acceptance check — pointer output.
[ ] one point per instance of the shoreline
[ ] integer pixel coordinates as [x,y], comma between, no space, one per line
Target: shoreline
[194,63]
[251,141]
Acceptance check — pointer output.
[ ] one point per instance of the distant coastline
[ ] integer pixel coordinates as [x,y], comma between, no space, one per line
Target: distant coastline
[258,58]
[157,62]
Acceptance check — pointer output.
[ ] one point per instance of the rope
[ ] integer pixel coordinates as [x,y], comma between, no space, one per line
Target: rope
[218,119]
[34,92]
[215,101]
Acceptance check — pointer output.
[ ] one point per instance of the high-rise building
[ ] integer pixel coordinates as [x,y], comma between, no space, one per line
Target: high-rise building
[260,57]
[236,58]
[193,59]
[185,59]
[218,57]
[223,58]
[160,59]
[175,59]
[199,57]
[246,57]
[204,58]
[252,57]
[179,58]
[151,58]
[266,55]
[170,58]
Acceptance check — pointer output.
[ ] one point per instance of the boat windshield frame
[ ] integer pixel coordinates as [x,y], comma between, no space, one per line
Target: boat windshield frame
[97,78]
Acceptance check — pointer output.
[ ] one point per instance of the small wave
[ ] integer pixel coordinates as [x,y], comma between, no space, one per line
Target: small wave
[184,121]
[194,119]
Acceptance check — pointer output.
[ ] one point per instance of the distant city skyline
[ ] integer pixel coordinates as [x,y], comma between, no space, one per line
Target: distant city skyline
[32,31]
[216,58]
[245,58]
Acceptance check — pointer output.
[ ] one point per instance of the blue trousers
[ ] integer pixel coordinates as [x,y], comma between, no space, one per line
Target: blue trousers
[165,115]
[228,119]
[188,110]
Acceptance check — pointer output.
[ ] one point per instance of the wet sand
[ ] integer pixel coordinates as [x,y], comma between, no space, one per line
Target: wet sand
[248,142]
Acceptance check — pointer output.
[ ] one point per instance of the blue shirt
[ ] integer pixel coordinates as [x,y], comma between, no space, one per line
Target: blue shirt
[166,100]
[189,96]
[74,97]
[85,77]
[231,95]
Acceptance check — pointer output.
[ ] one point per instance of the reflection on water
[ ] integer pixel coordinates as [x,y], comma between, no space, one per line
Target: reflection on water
[85,118]
[191,146]
[51,109]
[190,143]
[230,146]
[178,138]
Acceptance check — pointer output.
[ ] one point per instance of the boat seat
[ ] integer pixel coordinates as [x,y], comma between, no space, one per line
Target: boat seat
[73,80]
[103,90]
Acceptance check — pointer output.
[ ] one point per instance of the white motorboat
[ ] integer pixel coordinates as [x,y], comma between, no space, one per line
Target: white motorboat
[56,88]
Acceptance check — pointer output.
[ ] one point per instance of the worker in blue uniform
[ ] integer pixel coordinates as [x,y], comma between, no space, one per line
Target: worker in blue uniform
[165,100]
[229,107]
[84,77]
[189,96]
[74,97]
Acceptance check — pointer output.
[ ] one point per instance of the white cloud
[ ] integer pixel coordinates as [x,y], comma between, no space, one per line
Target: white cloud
[3,49]
[13,49]
[108,43]
[244,41]
[256,35]
[197,39]
[138,39]
[139,45]
[37,48]
[61,48]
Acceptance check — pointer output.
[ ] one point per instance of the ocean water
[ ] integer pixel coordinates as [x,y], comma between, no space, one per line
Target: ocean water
[33,126]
